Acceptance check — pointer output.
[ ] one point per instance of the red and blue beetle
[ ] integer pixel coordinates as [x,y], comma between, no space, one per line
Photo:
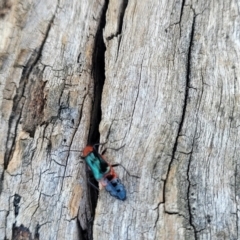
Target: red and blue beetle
[103,172]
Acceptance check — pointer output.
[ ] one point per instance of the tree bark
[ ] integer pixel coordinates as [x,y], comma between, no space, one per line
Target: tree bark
[156,81]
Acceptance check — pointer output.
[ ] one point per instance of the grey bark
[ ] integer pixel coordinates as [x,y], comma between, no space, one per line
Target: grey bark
[170,98]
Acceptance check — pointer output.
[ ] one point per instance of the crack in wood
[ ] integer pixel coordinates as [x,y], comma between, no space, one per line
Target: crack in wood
[181,13]
[187,86]
[98,75]
[123,10]
[157,209]
[121,17]
[185,105]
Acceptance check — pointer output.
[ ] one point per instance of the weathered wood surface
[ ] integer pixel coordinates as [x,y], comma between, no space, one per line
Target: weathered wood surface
[46,101]
[170,97]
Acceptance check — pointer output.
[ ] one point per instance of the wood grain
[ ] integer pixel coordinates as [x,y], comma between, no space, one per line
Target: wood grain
[46,101]
[166,75]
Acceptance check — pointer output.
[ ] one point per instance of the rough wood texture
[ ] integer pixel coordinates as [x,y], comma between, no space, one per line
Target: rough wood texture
[170,71]
[46,101]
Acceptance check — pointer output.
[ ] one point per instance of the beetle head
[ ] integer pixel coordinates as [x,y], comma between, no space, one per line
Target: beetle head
[87,150]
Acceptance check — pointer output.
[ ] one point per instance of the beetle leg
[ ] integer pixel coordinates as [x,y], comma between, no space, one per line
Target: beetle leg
[98,144]
[92,185]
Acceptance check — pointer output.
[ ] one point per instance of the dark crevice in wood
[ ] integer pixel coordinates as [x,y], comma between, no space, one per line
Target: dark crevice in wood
[84,234]
[81,231]
[21,232]
[36,234]
[98,74]
[16,201]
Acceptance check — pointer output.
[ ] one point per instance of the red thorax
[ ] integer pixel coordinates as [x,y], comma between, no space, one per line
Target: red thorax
[87,150]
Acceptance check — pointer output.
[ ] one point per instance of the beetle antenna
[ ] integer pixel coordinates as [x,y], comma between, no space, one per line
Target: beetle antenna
[70,151]
[115,149]
[119,164]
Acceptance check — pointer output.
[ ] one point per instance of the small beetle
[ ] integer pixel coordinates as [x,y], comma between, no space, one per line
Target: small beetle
[103,172]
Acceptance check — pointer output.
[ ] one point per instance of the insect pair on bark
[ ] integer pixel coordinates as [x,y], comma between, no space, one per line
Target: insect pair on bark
[104,173]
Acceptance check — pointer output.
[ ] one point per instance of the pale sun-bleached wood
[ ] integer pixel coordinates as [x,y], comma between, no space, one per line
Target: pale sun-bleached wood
[170,97]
